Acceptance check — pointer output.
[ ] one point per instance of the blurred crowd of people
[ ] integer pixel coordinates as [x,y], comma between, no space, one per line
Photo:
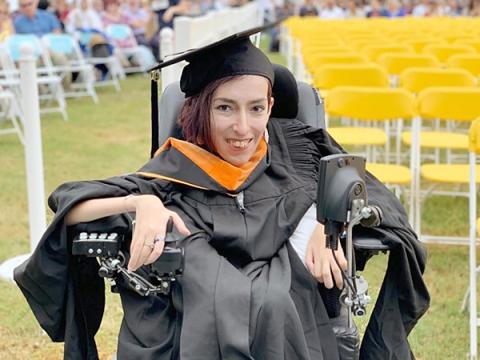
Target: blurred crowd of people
[145,18]
[338,9]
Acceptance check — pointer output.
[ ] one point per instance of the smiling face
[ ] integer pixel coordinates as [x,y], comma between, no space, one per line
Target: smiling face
[239,114]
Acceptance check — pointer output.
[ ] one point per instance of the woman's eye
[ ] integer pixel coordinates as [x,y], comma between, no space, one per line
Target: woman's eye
[223,107]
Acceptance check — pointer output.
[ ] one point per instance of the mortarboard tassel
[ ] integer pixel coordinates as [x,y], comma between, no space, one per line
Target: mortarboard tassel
[155,77]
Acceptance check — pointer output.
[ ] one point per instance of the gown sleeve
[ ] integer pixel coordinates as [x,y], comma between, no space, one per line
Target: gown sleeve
[403,297]
[65,293]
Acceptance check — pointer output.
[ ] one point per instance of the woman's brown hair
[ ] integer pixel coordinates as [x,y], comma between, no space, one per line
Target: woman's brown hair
[194,117]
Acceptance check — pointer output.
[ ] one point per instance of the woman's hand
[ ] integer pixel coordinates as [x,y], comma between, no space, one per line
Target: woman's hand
[150,228]
[320,261]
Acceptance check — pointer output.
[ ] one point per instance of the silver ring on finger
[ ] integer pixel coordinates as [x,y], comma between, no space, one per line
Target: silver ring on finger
[158,238]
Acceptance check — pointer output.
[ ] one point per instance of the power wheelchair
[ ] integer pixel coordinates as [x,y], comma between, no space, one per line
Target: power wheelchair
[292,100]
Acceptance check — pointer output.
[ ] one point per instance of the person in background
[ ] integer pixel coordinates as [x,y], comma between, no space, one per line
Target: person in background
[43,4]
[330,10]
[434,9]
[83,18]
[395,9]
[85,23]
[308,8]
[35,21]
[138,19]
[6,24]
[32,20]
[408,6]
[98,6]
[175,8]
[237,3]
[454,8]
[61,9]
[166,10]
[421,8]
[283,9]
[113,14]
[474,8]
[353,10]
[376,10]
[143,57]
[152,33]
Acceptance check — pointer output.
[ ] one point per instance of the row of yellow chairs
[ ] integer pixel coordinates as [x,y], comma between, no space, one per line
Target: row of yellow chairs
[396,56]
[412,45]
[373,50]
[413,79]
[460,104]
[448,28]
[372,53]
[371,42]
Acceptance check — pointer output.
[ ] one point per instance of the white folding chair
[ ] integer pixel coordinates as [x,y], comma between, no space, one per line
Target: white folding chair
[10,111]
[115,69]
[141,55]
[66,45]
[50,84]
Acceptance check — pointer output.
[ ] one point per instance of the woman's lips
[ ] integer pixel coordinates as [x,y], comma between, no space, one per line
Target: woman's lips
[239,144]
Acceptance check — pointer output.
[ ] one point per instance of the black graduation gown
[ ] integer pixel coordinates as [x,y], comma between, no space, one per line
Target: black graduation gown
[403,297]
[244,293]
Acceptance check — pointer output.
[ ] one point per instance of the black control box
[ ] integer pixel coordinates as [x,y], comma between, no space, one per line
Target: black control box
[97,244]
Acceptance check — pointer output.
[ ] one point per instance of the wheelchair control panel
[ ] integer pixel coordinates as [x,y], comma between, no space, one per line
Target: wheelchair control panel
[106,247]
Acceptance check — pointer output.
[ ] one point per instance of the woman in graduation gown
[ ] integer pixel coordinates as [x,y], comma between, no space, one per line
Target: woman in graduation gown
[237,198]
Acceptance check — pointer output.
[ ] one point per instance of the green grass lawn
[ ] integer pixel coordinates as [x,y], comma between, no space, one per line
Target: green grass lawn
[114,138]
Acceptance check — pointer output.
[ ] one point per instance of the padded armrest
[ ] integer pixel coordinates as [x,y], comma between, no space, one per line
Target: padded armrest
[370,244]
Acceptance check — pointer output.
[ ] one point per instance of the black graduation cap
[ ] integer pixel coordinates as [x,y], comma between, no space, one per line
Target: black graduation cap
[231,56]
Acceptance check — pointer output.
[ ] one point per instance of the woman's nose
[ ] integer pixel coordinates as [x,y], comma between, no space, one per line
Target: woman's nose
[241,125]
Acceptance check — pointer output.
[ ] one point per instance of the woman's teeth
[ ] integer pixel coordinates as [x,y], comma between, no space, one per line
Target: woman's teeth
[240,144]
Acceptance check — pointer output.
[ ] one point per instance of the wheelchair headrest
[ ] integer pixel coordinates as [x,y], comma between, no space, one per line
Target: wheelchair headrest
[285,93]
[292,100]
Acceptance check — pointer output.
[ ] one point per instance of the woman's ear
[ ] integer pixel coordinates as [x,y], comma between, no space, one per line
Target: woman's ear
[270,105]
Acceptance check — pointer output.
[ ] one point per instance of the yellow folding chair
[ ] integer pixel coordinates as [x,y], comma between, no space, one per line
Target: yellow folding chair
[315,50]
[329,76]
[419,44]
[473,42]
[362,43]
[469,62]
[316,60]
[456,104]
[418,79]
[443,52]
[375,51]
[338,58]
[371,104]
[395,64]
